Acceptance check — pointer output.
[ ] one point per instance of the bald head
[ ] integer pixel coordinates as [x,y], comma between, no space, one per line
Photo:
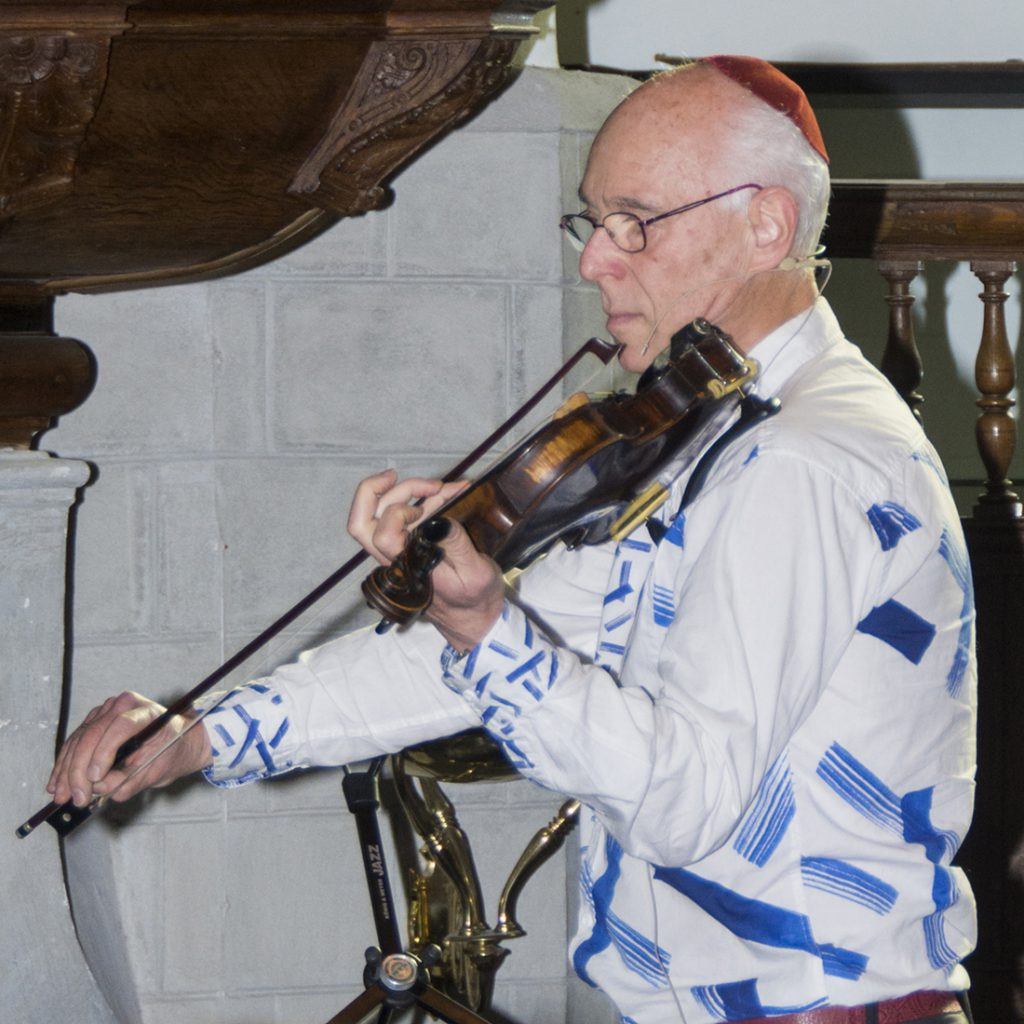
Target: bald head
[738,119]
[693,108]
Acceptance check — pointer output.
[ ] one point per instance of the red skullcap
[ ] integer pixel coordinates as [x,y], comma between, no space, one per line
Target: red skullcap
[769,84]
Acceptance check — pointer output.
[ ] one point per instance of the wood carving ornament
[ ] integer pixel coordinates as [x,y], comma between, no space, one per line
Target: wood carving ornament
[412,90]
[50,86]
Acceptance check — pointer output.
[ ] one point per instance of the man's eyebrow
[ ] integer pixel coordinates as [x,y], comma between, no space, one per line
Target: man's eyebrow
[628,204]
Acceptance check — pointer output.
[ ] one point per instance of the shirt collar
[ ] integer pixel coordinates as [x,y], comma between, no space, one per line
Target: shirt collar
[782,352]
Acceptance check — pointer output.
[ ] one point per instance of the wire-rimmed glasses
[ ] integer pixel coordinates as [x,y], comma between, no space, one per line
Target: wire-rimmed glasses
[627,230]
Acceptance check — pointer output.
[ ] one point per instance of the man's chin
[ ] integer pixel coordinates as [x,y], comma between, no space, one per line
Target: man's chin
[631,334]
[634,359]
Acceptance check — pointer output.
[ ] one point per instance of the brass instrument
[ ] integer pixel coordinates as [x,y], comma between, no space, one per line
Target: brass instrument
[446,906]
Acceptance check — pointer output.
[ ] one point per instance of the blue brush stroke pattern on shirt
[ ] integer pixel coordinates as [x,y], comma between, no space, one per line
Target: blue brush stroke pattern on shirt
[253,739]
[910,818]
[663,602]
[848,882]
[770,814]
[676,533]
[944,895]
[899,627]
[623,590]
[758,921]
[739,1000]
[861,789]
[916,811]
[891,522]
[224,735]
[636,545]
[926,460]
[639,954]
[955,555]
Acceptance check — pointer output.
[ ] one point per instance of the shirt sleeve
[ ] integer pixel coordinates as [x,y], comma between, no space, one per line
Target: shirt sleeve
[363,695]
[356,697]
[565,593]
[770,586]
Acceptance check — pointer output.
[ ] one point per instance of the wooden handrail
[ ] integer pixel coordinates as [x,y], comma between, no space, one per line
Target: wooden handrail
[988,80]
[926,220]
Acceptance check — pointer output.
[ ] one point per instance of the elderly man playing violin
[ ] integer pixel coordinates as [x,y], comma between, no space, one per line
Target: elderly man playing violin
[765,703]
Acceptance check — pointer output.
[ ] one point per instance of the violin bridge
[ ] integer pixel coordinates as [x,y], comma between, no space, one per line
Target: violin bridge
[721,388]
[646,502]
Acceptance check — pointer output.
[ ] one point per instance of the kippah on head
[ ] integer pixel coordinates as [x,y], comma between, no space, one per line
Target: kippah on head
[769,84]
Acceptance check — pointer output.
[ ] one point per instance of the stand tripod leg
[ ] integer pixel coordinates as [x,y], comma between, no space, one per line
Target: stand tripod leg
[361,1006]
[361,795]
[395,980]
[447,1009]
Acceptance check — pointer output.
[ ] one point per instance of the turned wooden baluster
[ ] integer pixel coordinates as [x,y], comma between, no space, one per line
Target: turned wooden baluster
[901,361]
[995,374]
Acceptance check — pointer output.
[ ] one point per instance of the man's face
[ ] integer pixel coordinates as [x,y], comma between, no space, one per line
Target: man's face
[651,157]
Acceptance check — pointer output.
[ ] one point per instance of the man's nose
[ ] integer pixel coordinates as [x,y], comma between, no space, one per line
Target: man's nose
[600,257]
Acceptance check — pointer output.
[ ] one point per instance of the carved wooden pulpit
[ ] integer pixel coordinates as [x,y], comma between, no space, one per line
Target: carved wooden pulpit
[176,140]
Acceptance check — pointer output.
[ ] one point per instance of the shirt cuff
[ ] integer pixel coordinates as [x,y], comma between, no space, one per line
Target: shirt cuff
[250,735]
[505,676]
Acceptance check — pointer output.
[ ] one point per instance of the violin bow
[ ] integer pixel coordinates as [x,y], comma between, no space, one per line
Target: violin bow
[66,817]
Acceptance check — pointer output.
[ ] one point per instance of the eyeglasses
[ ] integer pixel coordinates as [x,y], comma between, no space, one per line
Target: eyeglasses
[627,230]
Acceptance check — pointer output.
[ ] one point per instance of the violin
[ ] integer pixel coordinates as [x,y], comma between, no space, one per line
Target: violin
[591,475]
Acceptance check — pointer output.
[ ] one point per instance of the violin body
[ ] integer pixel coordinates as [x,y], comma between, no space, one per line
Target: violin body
[586,477]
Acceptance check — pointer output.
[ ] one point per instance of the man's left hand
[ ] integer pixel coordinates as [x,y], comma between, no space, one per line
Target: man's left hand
[468,589]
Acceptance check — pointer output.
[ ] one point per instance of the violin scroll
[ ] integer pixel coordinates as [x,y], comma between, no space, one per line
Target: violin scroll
[403,590]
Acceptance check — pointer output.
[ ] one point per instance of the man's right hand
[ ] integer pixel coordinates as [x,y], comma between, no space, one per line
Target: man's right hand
[83,767]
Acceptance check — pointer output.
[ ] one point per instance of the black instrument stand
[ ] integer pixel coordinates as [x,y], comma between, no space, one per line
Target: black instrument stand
[395,979]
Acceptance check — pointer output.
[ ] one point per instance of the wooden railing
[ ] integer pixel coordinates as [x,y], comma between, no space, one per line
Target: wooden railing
[901,224]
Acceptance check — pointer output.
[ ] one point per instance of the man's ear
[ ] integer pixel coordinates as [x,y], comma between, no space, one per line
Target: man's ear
[772,214]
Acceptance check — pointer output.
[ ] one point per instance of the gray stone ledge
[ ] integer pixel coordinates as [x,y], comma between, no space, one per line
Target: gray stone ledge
[44,478]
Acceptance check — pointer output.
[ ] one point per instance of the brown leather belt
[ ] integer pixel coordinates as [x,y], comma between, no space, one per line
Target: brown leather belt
[918,1006]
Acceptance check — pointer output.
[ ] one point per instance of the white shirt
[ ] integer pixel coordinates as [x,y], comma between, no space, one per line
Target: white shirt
[769,715]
